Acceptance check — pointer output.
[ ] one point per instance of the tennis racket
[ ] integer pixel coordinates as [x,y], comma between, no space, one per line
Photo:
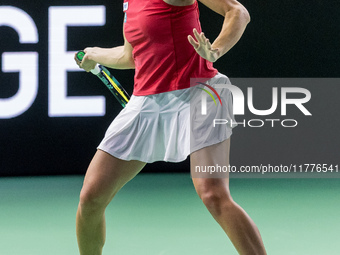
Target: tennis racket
[110,82]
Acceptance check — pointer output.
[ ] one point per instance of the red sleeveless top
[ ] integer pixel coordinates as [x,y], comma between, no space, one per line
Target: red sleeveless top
[164,58]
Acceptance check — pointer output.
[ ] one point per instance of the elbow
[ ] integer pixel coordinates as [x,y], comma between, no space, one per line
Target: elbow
[241,13]
[245,15]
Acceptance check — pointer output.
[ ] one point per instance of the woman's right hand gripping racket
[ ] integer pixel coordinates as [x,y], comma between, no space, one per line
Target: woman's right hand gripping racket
[110,82]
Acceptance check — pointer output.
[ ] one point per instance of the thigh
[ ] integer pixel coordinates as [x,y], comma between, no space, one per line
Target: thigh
[106,175]
[211,183]
[211,161]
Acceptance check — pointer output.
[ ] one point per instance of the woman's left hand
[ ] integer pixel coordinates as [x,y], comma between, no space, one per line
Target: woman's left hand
[203,47]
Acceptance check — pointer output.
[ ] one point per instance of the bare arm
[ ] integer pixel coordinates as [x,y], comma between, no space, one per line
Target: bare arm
[118,57]
[236,18]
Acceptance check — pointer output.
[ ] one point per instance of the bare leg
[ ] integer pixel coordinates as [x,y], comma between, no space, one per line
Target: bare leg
[105,176]
[215,194]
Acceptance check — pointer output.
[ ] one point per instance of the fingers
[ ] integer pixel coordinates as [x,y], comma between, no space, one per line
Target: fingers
[203,46]
[83,56]
[193,42]
[200,37]
[80,63]
[209,47]
[201,40]
[86,63]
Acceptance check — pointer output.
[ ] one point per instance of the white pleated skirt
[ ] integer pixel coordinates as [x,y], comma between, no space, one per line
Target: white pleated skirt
[169,126]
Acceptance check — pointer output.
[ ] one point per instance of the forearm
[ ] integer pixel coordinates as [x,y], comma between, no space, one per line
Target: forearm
[116,57]
[235,22]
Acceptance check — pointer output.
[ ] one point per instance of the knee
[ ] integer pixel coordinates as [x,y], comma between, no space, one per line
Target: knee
[216,201]
[90,203]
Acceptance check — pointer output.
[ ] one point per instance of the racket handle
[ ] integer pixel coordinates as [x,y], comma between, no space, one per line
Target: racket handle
[80,55]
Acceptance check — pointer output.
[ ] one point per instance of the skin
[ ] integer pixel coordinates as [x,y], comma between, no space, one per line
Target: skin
[236,18]
[106,174]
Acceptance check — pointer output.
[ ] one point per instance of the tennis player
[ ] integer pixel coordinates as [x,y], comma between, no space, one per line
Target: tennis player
[166,47]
